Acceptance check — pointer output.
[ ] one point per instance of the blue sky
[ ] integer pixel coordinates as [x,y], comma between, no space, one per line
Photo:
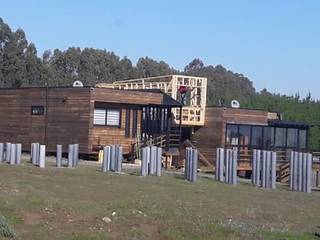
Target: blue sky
[274,43]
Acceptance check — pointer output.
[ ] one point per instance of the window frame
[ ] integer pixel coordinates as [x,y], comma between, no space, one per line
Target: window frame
[41,113]
[106,117]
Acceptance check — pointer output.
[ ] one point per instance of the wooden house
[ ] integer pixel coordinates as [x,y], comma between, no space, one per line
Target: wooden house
[247,129]
[91,117]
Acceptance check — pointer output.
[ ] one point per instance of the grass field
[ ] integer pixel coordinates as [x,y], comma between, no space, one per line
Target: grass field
[56,203]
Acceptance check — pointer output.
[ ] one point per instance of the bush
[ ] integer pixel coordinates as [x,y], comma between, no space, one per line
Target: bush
[5,230]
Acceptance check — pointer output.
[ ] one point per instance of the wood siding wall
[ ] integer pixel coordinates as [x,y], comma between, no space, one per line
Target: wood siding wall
[212,134]
[67,119]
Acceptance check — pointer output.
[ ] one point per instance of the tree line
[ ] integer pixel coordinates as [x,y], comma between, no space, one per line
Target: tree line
[20,66]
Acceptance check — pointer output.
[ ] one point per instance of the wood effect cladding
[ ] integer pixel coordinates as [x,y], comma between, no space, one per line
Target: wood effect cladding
[212,134]
[68,117]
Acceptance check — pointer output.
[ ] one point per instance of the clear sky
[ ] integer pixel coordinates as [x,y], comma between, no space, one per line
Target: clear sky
[274,43]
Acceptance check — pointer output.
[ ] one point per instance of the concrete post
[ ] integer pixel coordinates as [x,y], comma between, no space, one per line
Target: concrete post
[195,165]
[119,159]
[263,169]
[190,172]
[18,153]
[42,157]
[1,152]
[12,154]
[221,163]
[268,172]
[106,159]
[304,172]
[295,171]
[291,169]
[217,164]
[153,150]
[253,166]
[75,155]
[159,161]
[113,157]
[70,155]
[144,162]
[234,167]
[227,166]
[309,172]
[258,168]
[59,156]
[186,164]
[273,169]
[8,149]
[300,170]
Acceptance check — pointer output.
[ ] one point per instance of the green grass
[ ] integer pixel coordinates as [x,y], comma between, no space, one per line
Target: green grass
[67,204]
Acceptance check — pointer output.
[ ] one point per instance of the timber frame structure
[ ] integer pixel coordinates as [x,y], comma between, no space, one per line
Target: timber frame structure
[194,101]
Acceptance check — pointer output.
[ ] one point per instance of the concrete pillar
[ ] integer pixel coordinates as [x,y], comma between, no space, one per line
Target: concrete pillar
[263,169]
[295,171]
[234,179]
[268,172]
[144,162]
[194,165]
[42,157]
[221,164]
[8,149]
[113,157]
[70,155]
[273,169]
[186,164]
[75,155]
[12,154]
[159,161]
[227,166]
[309,172]
[119,159]
[18,153]
[59,156]
[258,168]
[106,159]
[216,175]
[153,150]
[291,169]
[304,172]
[1,152]
[253,166]
[300,170]
[190,172]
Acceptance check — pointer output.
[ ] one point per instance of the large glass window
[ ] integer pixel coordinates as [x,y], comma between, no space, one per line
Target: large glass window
[257,136]
[232,135]
[268,137]
[280,137]
[292,137]
[244,135]
[302,139]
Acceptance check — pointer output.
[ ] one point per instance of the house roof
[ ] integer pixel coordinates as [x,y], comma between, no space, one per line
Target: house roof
[289,124]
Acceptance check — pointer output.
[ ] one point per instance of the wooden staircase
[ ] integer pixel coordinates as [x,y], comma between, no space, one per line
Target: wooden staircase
[174,137]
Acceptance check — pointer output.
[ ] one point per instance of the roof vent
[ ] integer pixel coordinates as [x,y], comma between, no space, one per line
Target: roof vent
[77,84]
[235,104]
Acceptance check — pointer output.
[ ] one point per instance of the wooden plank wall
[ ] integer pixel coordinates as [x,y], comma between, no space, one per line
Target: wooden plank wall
[133,100]
[67,121]
[212,134]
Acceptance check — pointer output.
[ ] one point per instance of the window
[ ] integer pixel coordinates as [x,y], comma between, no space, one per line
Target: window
[108,117]
[232,134]
[302,139]
[127,128]
[244,135]
[268,137]
[292,140]
[37,110]
[280,137]
[257,136]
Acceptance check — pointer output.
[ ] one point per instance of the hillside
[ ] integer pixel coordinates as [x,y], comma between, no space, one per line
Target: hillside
[20,66]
